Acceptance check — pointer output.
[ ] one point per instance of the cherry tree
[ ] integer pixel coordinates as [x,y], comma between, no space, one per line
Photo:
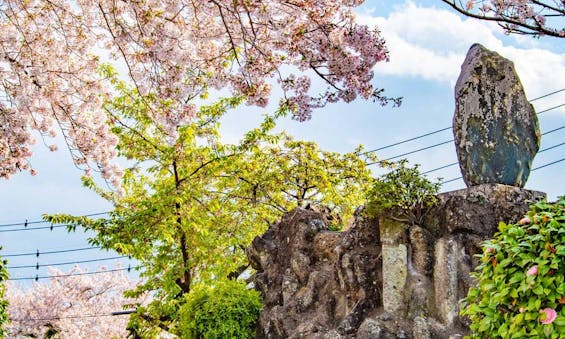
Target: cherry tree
[176,50]
[77,306]
[528,17]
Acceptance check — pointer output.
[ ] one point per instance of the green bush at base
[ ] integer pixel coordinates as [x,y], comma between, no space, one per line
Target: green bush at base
[226,310]
[520,289]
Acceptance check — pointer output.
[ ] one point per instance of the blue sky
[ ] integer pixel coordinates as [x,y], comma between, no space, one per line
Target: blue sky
[427,45]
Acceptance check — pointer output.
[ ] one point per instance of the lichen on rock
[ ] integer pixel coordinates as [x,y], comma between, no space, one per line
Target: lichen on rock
[496,128]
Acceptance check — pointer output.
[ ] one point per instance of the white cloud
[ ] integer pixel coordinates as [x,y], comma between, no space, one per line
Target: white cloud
[431,44]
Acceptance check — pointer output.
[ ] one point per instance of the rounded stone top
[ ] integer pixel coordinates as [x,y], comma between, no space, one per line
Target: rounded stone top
[495,127]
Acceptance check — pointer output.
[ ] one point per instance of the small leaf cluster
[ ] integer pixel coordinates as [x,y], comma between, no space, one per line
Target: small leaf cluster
[3,302]
[521,288]
[402,194]
[228,309]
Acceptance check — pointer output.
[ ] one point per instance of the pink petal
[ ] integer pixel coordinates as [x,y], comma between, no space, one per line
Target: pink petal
[550,316]
[533,270]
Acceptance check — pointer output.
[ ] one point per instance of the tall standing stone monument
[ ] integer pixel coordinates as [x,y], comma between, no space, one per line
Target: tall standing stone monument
[496,128]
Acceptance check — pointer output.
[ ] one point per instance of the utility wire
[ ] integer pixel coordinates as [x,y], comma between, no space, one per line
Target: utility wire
[548,164]
[439,168]
[456,163]
[533,169]
[37,266]
[75,274]
[548,94]
[76,316]
[411,152]
[448,141]
[25,223]
[405,141]
[33,228]
[449,127]
[554,130]
[37,253]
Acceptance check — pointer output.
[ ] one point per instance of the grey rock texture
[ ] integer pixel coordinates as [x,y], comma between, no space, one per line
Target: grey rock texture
[496,129]
[320,284]
[334,284]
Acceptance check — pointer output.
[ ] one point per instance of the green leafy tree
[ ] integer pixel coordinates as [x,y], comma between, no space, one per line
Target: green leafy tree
[192,204]
[3,302]
[521,278]
[402,194]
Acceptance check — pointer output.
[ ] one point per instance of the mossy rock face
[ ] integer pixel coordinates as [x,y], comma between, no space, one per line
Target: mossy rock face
[496,128]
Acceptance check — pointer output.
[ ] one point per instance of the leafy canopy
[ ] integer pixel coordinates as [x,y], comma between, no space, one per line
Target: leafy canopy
[191,204]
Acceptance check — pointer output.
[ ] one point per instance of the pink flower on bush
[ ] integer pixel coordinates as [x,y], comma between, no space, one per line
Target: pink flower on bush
[524,221]
[550,316]
[533,270]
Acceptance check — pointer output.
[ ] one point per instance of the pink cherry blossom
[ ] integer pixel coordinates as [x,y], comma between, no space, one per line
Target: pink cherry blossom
[548,316]
[517,16]
[533,270]
[70,305]
[176,50]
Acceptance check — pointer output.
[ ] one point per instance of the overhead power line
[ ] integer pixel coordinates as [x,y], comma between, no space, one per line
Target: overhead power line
[81,316]
[26,223]
[37,265]
[533,169]
[548,164]
[405,141]
[33,228]
[548,94]
[449,127]
[456,163]
[38,253]
[75,274]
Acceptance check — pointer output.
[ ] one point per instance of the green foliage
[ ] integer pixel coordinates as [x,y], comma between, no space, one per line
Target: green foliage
[402,194]
[225,310]
[191,204]
[3,302]
[522,273]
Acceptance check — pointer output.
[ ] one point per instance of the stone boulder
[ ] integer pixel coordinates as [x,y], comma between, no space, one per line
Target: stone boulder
[496,128]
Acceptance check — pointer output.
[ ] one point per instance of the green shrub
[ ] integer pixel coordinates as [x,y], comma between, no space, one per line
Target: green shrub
[402,194]
[226,310]
[521,288]
[3,302]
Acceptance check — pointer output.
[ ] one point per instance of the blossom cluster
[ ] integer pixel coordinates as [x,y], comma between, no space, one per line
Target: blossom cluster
[519,16]
[77,306]
[177,50]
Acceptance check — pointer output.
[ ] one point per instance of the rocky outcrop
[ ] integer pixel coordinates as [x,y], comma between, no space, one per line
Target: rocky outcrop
[496,129]
[379,278]
[314,280]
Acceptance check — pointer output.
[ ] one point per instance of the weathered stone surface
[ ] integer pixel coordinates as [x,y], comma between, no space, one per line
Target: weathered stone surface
[496,129]
[421,329]
[321,284]
[478,209]
[421,254]
[315,282]
[369,329]
[395,271]
[446,279]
